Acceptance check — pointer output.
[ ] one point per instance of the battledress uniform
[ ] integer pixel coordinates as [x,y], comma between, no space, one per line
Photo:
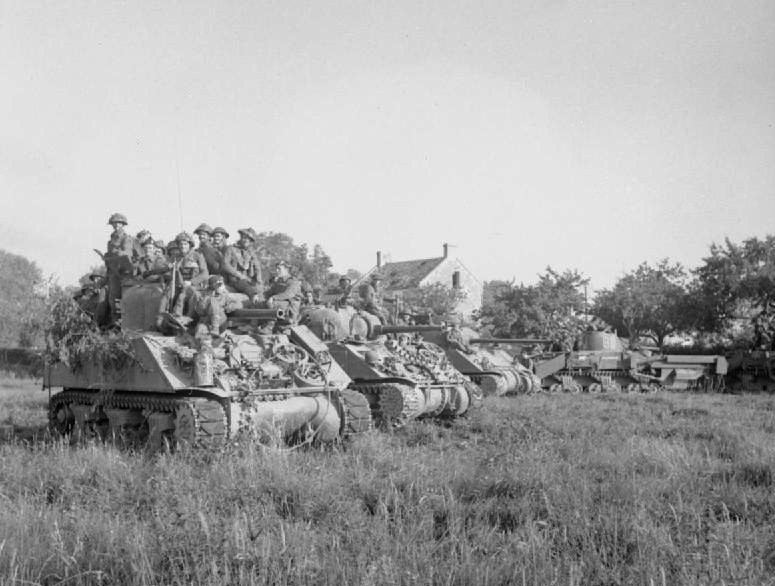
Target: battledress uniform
[118,261]
[242,270]
[192,268]
[286,294]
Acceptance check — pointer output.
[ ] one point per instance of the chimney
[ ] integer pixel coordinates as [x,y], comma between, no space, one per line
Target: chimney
[446,249]
[379,259]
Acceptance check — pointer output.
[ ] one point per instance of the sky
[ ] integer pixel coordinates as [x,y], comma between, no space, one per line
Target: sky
[589,135]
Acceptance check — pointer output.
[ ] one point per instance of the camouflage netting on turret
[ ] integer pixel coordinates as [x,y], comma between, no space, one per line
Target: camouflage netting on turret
[75,340]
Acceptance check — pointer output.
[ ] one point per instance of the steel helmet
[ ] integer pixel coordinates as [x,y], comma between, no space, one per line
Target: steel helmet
[203,228]
[116,218]
[185,236]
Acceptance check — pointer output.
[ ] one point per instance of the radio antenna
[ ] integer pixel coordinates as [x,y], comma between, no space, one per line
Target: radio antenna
[180,194]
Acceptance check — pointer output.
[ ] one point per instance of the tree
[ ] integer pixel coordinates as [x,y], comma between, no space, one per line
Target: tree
[438,299]
[735,283]
[275,246]
[548,309]
[22,311]
[650,302]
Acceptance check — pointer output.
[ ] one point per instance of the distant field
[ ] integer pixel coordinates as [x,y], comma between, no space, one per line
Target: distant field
[647,489]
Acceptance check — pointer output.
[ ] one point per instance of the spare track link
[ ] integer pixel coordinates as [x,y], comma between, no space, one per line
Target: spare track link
[207,416]
[356,416]
[391,403]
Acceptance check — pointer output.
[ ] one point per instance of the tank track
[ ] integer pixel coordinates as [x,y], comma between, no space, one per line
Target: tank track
[391,403]
[199,421]
[492,385]
[356,413]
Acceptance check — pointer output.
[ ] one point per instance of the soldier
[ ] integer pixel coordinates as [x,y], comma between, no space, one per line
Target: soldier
[150,267]
[118,260]
[285,292]
[193,272]
[212,255]
[141,237]
[241,267]
[344,291]
[220,236]
[92,298]
[371,298]
[212,307]
[160,249]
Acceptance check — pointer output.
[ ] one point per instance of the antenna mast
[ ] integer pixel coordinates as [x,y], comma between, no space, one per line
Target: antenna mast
[180,195]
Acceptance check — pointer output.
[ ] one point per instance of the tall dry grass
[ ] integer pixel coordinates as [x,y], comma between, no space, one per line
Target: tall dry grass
[661,489]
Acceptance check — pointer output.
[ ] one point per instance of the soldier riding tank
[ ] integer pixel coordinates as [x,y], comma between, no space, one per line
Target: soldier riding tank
[182,390]
[402,376]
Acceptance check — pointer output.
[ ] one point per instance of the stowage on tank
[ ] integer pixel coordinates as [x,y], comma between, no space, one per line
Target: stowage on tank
[402,376]
[486,361]
[206,390]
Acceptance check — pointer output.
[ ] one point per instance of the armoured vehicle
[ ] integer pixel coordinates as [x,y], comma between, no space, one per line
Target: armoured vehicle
[402,376]
[491,363]
[182,389]
[752,370]
[602,363]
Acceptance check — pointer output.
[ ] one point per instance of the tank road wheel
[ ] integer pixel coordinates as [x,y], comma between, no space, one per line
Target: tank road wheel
[595,388]
[355,413]
[492,385]
[61,419]
[631,388]
[200,423]
[555,388]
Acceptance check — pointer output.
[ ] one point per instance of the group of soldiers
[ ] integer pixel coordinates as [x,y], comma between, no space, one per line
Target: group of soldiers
[198,271]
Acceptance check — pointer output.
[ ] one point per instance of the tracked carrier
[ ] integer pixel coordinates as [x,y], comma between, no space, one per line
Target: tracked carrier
[182,390]
[492,363]
[402,375]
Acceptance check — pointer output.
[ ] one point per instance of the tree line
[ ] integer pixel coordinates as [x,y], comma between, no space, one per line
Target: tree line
[721,302]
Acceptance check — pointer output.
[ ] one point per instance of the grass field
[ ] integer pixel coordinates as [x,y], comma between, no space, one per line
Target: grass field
[648,489]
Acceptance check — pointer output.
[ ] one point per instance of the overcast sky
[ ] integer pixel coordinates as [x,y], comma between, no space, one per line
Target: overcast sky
[593,135]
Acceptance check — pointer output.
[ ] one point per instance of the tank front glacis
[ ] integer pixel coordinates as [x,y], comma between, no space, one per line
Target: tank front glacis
[207,391]
[402,376]
[486,361]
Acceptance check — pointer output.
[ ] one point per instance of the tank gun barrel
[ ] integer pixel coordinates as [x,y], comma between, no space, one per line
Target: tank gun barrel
[256,314]
[380,329]
[509,341]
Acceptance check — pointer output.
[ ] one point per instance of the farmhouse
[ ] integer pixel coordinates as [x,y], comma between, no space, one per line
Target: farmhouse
[400,277]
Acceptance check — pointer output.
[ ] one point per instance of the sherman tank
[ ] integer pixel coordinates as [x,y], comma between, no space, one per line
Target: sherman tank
[402,375]
[185,390]
[602,363]
[493,364]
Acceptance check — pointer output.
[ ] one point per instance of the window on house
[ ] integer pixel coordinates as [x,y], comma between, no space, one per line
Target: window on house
[456,280]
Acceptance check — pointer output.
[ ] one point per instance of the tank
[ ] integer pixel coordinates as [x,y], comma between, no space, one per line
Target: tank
[601,362]
[403,376]
[493,364]
[206,391]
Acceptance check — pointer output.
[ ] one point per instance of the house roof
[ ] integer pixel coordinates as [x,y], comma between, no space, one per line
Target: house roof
[409,273]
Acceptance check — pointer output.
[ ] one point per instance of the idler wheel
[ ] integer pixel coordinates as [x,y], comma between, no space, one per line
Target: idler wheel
[493,385]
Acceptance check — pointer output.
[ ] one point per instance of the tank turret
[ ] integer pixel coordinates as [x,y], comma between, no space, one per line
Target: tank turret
[402,375]
[148,387]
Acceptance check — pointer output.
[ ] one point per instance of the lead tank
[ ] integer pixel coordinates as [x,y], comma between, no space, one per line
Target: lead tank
[203,392]
[402,376]
[491,363]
